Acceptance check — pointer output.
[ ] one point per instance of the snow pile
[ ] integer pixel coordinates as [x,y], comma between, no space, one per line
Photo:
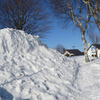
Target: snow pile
[12,41]
[31,71]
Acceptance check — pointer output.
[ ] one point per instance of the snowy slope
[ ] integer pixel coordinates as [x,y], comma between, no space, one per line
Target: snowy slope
[31,71]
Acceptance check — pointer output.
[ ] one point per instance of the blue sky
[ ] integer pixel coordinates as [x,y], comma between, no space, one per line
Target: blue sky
[68,37]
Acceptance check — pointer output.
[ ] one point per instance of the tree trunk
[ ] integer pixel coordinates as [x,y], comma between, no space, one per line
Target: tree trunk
[85,47]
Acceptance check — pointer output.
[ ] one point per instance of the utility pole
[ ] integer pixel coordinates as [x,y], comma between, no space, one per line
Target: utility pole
[73,47]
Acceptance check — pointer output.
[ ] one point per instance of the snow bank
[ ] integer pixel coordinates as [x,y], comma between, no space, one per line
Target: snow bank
[31,71]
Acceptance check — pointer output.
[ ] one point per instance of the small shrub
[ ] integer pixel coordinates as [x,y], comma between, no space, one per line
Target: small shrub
[67,55]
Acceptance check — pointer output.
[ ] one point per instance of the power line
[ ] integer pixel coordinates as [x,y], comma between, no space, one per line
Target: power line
[76,46]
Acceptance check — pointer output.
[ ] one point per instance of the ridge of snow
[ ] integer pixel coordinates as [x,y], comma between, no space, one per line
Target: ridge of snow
[12,41]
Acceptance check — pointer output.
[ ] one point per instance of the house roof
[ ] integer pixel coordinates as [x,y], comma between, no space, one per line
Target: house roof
[96,45]
[76,52]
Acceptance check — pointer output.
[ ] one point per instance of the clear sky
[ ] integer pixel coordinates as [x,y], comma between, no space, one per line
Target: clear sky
[68,37]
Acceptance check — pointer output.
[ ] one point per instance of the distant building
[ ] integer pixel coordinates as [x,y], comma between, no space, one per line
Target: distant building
[94,49]
[73,52]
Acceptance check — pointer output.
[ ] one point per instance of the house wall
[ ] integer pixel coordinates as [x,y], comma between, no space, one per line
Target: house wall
[66,52]
[90,52]
[98,53]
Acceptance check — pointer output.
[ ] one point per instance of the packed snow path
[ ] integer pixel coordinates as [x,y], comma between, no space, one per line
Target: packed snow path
[31,71]
[88,79]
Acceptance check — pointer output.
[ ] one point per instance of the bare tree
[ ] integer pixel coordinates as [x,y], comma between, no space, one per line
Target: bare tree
[94,37]
[73,11]
[60,48]
[27,15]
[94,6]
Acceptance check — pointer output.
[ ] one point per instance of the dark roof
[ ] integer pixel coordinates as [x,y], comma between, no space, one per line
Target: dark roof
[76,52]
[96,45]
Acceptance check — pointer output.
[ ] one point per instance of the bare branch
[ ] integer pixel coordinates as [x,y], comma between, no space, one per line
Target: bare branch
[94,37]
[94,6]
[28,15]
[60,48]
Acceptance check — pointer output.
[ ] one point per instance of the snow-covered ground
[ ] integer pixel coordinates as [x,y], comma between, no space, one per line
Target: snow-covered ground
[88,78]
[30,70]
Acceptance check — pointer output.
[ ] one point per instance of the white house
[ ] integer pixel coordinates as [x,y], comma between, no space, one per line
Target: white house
[94,49]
